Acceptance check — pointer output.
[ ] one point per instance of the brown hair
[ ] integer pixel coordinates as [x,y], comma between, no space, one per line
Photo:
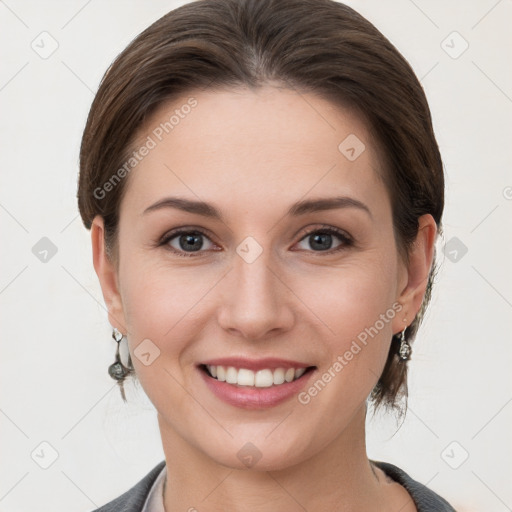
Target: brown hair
[317,46]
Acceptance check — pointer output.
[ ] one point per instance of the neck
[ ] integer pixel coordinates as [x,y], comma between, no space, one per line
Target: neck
[339,477]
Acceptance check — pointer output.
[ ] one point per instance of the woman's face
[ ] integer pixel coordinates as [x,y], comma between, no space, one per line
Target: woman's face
[297,268]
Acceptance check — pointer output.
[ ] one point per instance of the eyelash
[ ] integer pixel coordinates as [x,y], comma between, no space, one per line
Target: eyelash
[346,240]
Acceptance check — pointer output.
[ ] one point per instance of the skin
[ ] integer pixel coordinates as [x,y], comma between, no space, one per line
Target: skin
[252,154]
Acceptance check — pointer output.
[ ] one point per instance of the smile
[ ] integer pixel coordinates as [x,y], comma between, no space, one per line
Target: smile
[255,384]
[260,379]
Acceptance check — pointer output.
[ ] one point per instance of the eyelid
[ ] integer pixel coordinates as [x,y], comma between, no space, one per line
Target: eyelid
[184,230]
[328,228]
[173,233]
[347,239]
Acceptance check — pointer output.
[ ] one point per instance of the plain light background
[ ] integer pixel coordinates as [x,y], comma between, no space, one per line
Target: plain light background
[58,406]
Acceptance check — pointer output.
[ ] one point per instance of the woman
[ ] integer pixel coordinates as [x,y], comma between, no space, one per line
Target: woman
[264,191]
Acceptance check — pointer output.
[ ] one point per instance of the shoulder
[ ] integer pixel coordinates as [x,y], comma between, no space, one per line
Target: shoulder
[133,499]
[424,498]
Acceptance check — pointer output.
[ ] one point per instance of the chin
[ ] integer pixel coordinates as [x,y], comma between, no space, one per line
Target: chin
[258,454]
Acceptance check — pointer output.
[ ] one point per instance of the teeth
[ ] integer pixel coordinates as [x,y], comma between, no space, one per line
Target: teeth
[260,379]
[231,375]
[263,378]
[279,376]
[221,373]
[299,372]
[245,377]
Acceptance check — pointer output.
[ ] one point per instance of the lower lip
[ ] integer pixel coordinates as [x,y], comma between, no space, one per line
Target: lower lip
[248,397]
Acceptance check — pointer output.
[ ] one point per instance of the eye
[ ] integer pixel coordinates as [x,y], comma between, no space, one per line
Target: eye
[191,242]
[183,242]
[321,239]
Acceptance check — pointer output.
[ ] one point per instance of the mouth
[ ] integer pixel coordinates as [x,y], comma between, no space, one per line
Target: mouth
[261,378]
[255,383]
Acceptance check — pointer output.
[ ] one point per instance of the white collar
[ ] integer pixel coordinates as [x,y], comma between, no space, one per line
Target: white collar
[155,500]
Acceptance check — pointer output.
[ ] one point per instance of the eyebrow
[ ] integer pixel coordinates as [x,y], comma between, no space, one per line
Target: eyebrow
[300,208]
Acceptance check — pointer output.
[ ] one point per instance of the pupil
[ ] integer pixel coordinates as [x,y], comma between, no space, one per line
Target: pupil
[323,241]
[194,242]
[188,241]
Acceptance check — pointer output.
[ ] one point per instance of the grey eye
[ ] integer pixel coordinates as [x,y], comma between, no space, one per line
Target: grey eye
[189,241]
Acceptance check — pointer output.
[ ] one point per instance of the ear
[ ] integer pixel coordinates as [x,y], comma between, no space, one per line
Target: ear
[107,275]
[417,271]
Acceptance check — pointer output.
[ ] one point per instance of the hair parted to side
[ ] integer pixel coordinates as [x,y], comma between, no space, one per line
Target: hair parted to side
[318,46]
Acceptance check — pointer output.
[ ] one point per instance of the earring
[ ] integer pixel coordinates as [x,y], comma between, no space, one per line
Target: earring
[117,370]
[404,352]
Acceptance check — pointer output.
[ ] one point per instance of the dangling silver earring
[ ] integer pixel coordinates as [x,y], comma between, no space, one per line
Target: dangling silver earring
[404,352]
[117,370]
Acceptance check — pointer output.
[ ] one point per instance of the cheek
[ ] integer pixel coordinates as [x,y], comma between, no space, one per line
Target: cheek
[159,307]
[355,306]
[351,298]
[165,306]
[159,302]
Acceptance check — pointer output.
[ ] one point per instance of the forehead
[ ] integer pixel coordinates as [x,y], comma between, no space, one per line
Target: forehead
[254,147]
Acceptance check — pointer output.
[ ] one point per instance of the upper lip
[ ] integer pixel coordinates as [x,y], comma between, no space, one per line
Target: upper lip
[256,364]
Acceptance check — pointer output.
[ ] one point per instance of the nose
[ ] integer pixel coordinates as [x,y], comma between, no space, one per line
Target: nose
[256,303]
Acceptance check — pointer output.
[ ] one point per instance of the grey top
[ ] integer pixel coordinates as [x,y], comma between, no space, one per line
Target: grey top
[147,495]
